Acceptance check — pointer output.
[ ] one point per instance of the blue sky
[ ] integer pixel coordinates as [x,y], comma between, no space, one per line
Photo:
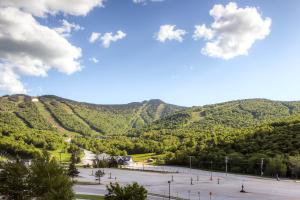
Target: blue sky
[138,67]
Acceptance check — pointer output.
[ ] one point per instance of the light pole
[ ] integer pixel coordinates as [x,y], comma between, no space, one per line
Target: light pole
[169,189]
[199,195]
[190,163]
[261,167]
[226,163]
[211,162]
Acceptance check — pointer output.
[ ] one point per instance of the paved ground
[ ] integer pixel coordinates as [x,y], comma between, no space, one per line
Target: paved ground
[228,189]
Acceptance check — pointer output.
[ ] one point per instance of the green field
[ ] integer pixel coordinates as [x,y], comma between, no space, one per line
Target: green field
[88,197]
[143,158]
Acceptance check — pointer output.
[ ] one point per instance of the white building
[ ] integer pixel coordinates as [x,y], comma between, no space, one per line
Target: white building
[34,99]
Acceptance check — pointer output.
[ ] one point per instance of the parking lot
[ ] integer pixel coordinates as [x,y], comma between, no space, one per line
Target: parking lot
[192,184]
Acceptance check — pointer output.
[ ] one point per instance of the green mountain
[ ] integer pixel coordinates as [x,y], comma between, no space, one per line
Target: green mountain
[22,118]
[244,129]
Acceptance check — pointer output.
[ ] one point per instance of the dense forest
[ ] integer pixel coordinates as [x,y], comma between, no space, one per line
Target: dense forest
[244,131]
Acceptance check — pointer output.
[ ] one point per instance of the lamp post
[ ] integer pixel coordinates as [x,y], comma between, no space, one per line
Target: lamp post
[199,195]
[226,163]
[211,162]
[261,167]
[169,182]
[190,163]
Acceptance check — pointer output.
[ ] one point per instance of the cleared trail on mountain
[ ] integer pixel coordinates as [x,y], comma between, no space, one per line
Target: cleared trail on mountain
[135,118]
[81,119]
[48,116]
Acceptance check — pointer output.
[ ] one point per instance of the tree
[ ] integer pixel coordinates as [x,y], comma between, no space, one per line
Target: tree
[294,165]
[99,174]
[276,166]
[128,192]
[14,183]
[49,180]
[73,171]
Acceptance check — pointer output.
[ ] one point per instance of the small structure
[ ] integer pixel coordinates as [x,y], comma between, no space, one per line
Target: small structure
[127,160]
[122,160]
[27,162]
[34,99]
[103,156]
[150,160]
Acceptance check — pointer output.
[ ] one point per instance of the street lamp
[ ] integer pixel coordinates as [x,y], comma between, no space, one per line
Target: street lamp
[226,162]
[169,189]
[211,162]
[261,167]
[190,163]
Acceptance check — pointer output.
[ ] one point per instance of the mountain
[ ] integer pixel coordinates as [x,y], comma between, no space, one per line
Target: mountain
[28,124]
[234,114]
[243,129]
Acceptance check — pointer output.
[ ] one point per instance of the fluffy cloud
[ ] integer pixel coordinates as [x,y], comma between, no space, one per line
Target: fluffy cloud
[169,32]
[43,7]
[94,60]
[10,81]
[94,37]
[203,32]
[108,38]
[233,31]
[29,48]
[67,27]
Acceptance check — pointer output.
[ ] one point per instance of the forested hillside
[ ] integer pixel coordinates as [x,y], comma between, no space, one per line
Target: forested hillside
[27,126]
[245,130]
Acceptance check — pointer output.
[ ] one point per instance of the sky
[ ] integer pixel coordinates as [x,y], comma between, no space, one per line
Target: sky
[184,52]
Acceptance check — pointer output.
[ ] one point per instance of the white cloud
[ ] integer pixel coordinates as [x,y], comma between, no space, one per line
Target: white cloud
[203,32]
[94,37]
[145,1]
[29,48]
[94,60]
[10,81]
[108,38]
[67,27]
[233,31]
[43,7]
[169,32]
[139,1]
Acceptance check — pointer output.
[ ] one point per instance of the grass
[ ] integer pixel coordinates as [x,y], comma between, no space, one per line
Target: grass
[65,157]
[89,197]
[143,158]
